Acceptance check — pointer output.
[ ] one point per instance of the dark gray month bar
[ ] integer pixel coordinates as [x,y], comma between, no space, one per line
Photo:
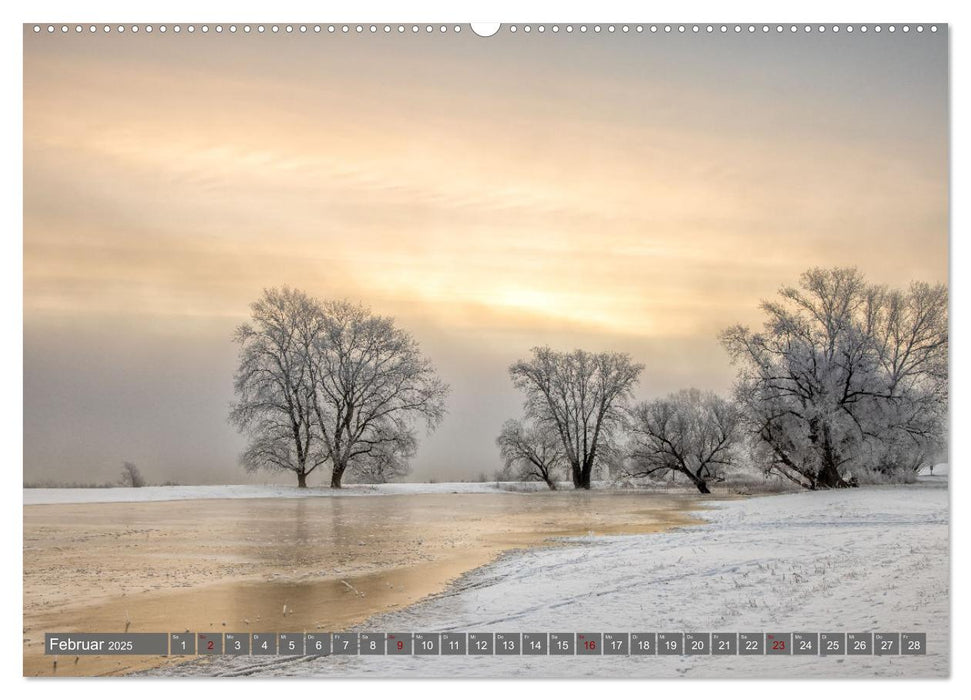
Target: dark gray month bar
[487,643]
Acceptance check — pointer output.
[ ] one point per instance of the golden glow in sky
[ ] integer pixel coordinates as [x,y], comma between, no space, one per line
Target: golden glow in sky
[631,192]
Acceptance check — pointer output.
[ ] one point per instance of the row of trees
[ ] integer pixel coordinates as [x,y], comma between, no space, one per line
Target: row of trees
[845,377]
[578,416]
[330,384]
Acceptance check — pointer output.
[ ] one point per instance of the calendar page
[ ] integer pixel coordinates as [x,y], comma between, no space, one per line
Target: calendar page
[517,350]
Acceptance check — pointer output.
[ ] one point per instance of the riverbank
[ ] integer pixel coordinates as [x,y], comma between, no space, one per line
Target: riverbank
[251,564]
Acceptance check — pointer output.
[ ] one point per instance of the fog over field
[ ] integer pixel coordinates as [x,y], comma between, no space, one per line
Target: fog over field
[619,195]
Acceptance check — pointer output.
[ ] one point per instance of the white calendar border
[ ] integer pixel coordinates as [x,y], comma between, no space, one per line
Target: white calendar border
[828,11]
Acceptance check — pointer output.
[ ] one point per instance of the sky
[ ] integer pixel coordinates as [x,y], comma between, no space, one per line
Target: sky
[633,193]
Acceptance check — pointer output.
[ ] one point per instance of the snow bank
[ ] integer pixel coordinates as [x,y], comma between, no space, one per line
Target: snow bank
[185,493]
[852,560]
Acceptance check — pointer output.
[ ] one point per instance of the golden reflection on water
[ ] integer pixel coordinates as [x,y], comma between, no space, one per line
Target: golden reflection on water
[277,565]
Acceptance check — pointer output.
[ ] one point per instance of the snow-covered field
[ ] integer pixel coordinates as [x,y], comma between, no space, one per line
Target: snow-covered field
[853,560]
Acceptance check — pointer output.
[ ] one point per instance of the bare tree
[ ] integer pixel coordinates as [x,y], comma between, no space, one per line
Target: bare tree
[908,415]
[581,396]
[531,452]
[844,377]
[387,460]
[370,383]
[274,387]
[692,433]
[131,476]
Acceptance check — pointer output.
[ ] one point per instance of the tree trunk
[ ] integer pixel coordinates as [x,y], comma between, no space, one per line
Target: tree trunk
[829,477]
[586,471]
[336,475]
[584,482]
[577,477]
[551,484]
[700,484]
[301,480]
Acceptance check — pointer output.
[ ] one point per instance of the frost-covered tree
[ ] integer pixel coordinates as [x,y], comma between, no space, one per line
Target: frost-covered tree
[531,452]
[370,385]
[131,476]
[274,387]
[330,382]
[388,460]
[580,396]
[693,433]
[844,378]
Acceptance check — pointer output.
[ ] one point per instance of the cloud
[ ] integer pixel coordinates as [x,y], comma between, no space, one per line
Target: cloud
[623,194]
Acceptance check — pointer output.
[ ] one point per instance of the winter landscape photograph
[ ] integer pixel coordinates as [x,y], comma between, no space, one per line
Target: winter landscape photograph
[397,351]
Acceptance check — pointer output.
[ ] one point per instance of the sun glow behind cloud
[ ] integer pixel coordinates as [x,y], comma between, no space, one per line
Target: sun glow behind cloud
[488,193]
